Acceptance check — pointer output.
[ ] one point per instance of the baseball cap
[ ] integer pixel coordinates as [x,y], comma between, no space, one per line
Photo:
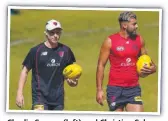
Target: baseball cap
[53,24]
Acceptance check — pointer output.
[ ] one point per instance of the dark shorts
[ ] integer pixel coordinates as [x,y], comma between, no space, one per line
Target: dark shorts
[47,107]
[121,96]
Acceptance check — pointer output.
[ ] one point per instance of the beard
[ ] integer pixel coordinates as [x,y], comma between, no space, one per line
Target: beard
[132,34]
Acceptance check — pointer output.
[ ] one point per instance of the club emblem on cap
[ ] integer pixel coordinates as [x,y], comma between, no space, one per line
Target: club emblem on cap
[61,53]
[55,23]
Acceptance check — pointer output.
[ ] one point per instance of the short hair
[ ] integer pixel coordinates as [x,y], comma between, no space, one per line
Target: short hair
[125,16]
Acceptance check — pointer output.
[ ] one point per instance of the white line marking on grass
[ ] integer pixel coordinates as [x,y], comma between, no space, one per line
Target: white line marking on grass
[18,42]
[84,32]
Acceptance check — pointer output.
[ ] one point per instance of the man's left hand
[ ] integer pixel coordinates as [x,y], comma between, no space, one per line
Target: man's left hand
[148,70]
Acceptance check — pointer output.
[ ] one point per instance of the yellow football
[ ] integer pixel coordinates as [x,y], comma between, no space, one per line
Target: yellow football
[72,71]
[143,60]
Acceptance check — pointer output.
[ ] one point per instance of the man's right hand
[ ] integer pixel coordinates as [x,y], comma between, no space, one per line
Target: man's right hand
[100,97]
[72,82]
[19,100]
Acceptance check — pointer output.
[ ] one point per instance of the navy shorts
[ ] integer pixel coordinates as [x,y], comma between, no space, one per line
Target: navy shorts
[47,107]
[45,103]
[121,96]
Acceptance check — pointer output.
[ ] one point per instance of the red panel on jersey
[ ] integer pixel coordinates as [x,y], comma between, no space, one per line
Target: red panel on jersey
[123,57]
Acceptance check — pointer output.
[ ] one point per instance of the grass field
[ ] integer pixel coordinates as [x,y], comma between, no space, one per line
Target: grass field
[84,32]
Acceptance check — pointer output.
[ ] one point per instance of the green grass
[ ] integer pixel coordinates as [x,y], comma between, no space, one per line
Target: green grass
[30,24]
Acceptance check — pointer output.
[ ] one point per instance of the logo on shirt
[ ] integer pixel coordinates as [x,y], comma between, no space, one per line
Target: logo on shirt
[120,48]
[61,53]
[53,63]
[44,53]
[135,47]
[127,42]
[128,62]
[52,60]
